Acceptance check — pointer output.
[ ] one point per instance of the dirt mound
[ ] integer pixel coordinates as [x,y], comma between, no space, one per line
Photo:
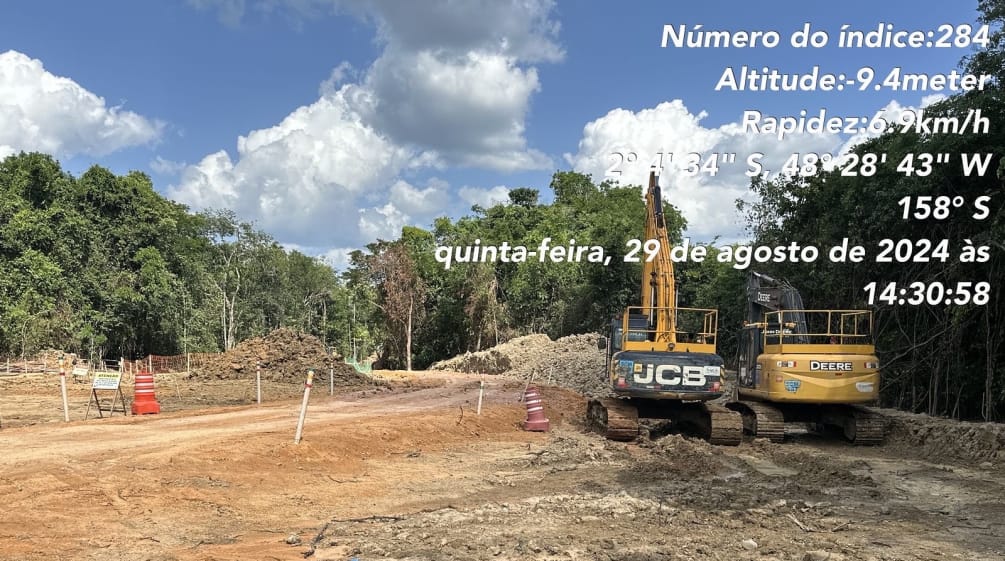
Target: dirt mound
[939,438]
[499,359]
[682,457]
[572,361]
[285,355]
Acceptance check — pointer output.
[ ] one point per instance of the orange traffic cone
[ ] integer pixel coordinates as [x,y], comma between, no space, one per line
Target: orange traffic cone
[144,400]
[535,411]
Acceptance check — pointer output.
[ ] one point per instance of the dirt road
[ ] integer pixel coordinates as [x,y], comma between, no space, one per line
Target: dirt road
[413,473]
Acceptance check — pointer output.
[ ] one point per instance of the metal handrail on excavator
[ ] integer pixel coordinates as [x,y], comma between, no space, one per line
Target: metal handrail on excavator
[850,318]
[634,337]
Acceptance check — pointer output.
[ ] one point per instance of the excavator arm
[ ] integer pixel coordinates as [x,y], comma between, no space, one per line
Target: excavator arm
[766,294]
[658,285]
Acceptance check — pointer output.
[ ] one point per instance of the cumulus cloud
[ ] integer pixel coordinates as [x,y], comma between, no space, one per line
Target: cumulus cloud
[383,222]
[301,179]
[339,75]
[484,197]
[335,257]
[470,108]
[514,28]
[452,86]
[895,114]
[707,202]
[40,111]
[422,203]
[453,78]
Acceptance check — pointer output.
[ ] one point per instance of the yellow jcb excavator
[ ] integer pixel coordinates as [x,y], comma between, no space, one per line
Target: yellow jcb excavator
[661,359]
[805,366]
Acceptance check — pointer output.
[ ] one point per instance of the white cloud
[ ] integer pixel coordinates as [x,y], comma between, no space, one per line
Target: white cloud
[484,198]
[516,28]
[40,111]
[707,202]
[452,86]
[165,166]
[932,98]
[340,74]
[470,108]
[453,78]
[336,257]
[382,223]
[520,29]
[895,114]
[420,202]
[301,179]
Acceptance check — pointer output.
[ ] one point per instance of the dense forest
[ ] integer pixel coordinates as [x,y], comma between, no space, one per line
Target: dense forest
[104,266]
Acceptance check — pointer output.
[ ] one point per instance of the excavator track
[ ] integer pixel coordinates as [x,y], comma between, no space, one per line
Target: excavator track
[865,427]
[614,418]
[760,420]
[726,425]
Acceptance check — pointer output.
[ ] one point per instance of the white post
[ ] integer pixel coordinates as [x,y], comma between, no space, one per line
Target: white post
[62,387]
[150,363]
[258,382]
[331,380]
[188,363]
[481,392]
[303,407]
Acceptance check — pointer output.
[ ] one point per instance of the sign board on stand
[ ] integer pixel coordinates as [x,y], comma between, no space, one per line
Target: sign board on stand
[80,371]
[106,381]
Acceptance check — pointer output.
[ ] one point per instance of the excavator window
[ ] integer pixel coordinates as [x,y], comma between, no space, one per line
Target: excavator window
[638,328]
[750,348]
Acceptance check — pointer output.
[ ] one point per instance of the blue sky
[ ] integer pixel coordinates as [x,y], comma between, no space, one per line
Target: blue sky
[363,115]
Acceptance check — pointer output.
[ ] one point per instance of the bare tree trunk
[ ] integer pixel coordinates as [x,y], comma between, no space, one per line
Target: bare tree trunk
[987,408]
[495,325]
[231,325]
[223,320]
[408,337]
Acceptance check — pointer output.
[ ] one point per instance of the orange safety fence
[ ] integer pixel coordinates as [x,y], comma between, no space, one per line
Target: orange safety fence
[156,363]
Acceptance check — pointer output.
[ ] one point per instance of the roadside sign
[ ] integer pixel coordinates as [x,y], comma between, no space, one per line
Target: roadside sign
[106,380]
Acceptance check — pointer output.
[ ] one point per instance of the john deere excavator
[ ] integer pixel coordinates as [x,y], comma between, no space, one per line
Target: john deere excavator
[806,366]
[661,359]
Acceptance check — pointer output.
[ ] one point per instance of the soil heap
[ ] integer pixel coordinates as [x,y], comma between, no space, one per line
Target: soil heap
[940,438]
[285,355]
[572,361]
